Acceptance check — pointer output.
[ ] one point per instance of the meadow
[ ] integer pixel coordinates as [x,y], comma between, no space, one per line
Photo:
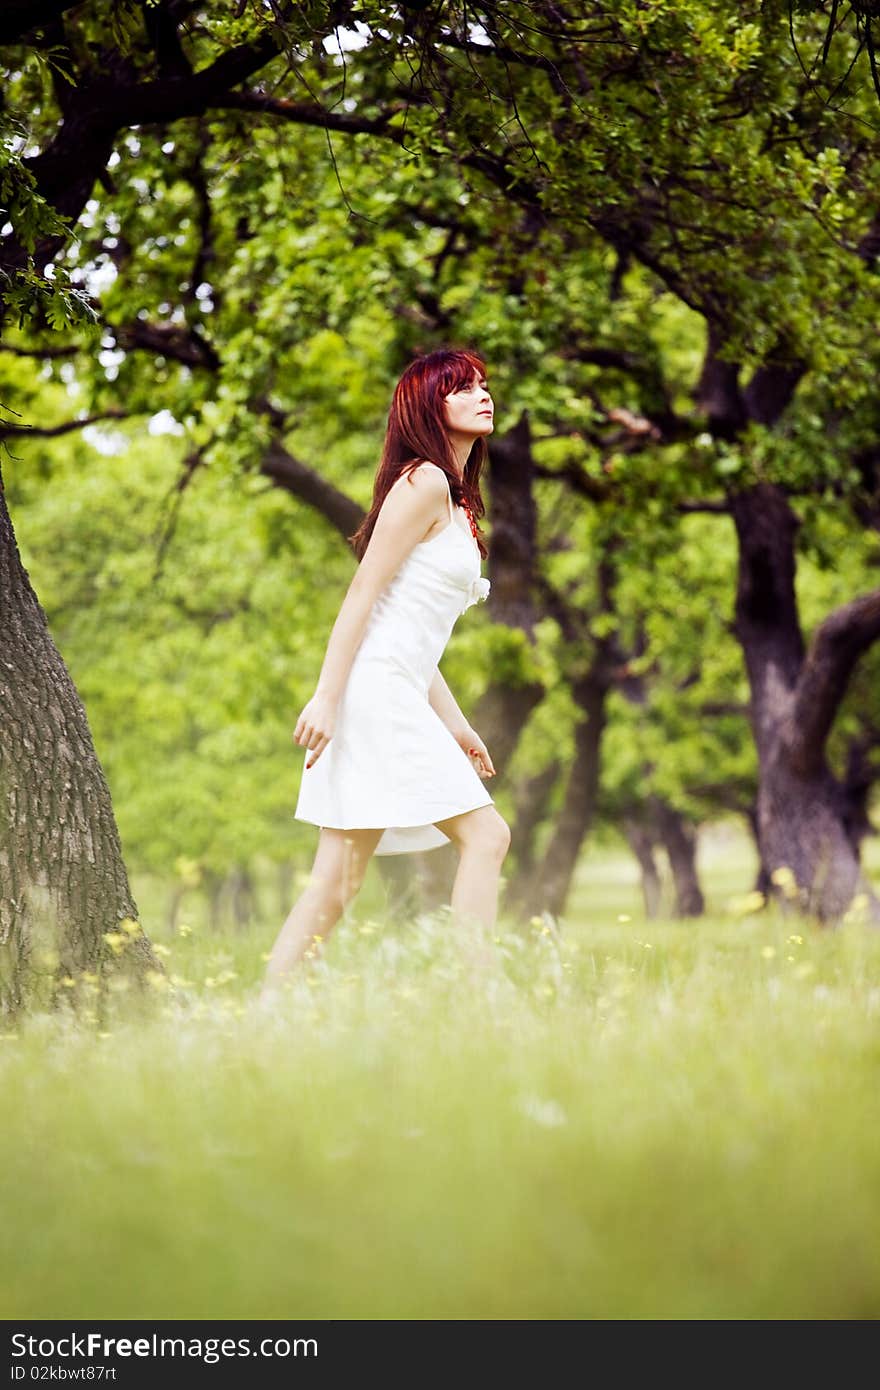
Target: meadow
[621,1119]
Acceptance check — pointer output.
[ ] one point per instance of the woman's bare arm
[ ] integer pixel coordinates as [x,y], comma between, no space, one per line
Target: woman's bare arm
[443,703]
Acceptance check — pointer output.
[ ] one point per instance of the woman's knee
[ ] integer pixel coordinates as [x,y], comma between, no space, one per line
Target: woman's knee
[500,838]
[341,865]
[333,892]
[483,832]
[326,895]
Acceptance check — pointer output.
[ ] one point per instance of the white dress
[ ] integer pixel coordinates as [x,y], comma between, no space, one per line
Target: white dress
[392,763]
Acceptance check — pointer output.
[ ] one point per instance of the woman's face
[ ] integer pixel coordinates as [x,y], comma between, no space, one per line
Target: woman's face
[470,410]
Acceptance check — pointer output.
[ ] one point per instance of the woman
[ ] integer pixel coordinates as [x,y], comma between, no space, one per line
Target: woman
[393,765]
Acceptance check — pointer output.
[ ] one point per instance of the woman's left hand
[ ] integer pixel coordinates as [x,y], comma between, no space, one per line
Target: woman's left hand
[476,750]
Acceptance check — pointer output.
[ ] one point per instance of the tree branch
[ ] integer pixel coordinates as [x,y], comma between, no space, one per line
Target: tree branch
[836,647]
[301,481]
[312,113]
[20,17]
[66,170]
[51,431]
[717,393]
[160,22]
[69,350]
[595,489]
[173,340]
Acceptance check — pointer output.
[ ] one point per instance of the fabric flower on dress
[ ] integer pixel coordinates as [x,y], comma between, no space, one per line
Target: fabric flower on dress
[477,593]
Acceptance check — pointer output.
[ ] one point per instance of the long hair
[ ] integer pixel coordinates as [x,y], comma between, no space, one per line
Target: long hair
[417,432]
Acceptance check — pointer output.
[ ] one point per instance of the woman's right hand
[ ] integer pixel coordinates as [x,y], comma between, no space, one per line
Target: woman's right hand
[314,728]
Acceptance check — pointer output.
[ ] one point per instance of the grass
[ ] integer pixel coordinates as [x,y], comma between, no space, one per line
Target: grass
[625,1120]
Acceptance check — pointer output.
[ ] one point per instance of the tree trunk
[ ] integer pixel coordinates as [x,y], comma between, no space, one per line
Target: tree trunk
[243,896]
[286,868]
[178,893]
[679,839]
[530,811]
[641,841]
[550,886]
[762,882]
[801,828]
[63,883]
[803,811]
[501,715]
[212,887]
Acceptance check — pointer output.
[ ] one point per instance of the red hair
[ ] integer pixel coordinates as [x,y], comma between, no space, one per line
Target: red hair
[417,432]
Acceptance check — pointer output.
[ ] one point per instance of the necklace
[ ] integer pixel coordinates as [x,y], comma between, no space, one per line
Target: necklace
[470,516]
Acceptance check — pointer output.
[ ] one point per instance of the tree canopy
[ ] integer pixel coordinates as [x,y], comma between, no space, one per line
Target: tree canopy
[656,221]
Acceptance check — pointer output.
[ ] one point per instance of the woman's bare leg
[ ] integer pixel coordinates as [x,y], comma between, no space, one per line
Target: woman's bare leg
[483,839]
[337,874]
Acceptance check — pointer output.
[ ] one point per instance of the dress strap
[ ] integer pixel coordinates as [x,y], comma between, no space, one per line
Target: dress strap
[449,499]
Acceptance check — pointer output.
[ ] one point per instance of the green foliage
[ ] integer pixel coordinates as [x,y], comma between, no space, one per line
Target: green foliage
[575,211]
[33,298]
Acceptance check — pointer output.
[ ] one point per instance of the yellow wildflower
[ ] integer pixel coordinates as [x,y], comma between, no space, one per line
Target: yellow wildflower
[744,907]
[782,876]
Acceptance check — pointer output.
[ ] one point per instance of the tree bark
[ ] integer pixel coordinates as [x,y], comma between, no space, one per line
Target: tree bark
[679,839]
[762,882]
[551,884]
[549,887]
[803,811]
[243,896]
[19,17]
[531,801]
[63,883]
[641,841]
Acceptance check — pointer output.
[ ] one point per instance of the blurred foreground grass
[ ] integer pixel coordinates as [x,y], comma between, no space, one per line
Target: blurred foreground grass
[624,1120]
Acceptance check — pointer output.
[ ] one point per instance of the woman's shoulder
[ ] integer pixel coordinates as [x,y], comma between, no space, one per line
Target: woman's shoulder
[422,473]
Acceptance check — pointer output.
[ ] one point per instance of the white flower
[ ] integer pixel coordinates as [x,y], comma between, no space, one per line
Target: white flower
[477,593]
